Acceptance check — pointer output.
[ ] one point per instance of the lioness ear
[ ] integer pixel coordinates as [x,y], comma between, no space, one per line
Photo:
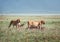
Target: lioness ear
[43,22]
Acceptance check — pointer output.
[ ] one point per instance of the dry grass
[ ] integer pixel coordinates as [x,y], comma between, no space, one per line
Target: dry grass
[51,31]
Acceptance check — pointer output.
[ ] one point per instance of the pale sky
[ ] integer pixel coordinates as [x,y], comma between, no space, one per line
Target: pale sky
[30,6]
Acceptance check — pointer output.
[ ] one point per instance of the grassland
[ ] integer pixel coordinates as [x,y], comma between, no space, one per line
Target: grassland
[51,32]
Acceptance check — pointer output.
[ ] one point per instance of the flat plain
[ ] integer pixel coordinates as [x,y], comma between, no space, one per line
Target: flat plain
[51,32]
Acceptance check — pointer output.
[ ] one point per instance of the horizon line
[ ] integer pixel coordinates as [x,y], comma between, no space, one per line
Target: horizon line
[29,14]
